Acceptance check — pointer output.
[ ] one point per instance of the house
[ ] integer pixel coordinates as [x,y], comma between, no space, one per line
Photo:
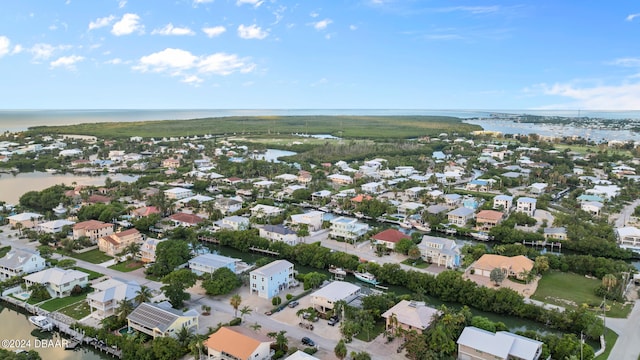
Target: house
[264,184]
[479,344]
[238,343]
[148,250]
[372,187]
[313,220]
[460,216]
[479,185]
[92,229]
[114,244]
[389,237]
[503,202]
[319,195]
[304,177]
[234,223]
[453,200]
[160,320]
[538,188]
[347,228]
[25,220]
[558,233]
[279,233]
[269,280]
[607,192]
[440,251]
[108,294]
[144,211]
[171,163]
[340,179]
[326,297]
[514,266]
[208,263]
[592,207]
[185,219]
[20,261]
[526,205]
[286,177]
[409,207]
[487,219]
[301,355]
[227,205]
[178,193]
[59,282]
[629,238]
[415,192]
[54,226]
[409,315]
[261,211]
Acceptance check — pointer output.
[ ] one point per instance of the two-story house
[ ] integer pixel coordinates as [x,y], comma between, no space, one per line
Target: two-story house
[479,344]
[20,261]
[58,282]
[178,193]
[313,219]
[389,237]
[526,205]
[347,228]
[326,297]
[279,233]
[440,251]
[409,315]
[503,202]
[234,222]
[227,205]
[148,250]
[114,244]
[161,320]
[208,263]
[92,229]
[265,211]
[269,280]
[460,216]
[108,294]
[487,219]
[25,220]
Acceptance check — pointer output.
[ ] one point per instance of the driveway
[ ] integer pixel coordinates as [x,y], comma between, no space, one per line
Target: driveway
[627,347]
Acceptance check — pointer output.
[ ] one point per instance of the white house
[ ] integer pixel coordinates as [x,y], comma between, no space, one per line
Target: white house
[440,251]
[538,188]
[326,297]
[592,207]
[20,261]
[629,238]
[347,228]
[272,278]
[279,233]
[208,263]
[373,187]
[53,227]
[233,223]
[503,201]
[313,219]
[261,211]
[178,193]
[107,295]
[26,220]
[409,315]
[228,205]
[479,344]
[59,282]
[148,250]
[460,216]
[161,320]
[526,205]
[340,179]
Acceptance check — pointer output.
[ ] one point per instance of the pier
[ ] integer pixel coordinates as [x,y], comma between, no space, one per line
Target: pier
[544,244]
[264,251]
[209,239]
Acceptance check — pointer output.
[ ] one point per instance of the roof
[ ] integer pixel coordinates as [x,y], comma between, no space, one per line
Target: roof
[91,225]
[628,231]
[515,263]
[154,316]
[146,211]
[301,355]
[26,216]
[56,276]
[525,199]
[412,313]
[503,198]
[177,190]
[279,229]
[555,230]
[114,289]
[390,235]
[236,341]
[461,211]
[186,218]
[445,246]
[273,267]
[501,344]
[213,260]
[489,215]
[15,258]
[336,291]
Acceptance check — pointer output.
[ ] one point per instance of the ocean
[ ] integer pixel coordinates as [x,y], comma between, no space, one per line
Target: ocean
[18,120]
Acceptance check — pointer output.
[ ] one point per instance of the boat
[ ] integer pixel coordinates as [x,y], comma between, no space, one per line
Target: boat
[422,228]
[42,322]
[337,271]
[480,236]
[366,277]
[405,225]
[51,171]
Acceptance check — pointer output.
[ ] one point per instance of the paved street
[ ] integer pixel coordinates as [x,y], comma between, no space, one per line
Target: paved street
[627,347]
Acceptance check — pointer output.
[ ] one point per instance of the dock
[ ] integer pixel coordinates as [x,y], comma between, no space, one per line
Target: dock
[264,251]
[544,243]
[209,239]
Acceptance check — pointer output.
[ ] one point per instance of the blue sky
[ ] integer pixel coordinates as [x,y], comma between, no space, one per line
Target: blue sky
[278,54]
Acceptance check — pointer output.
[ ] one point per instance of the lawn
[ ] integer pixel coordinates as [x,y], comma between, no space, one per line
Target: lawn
[379,329]
[419,263]
[127,266]
[59,303]
[610,338]
[94,256]
[572,290]
[92,274]
[77,311]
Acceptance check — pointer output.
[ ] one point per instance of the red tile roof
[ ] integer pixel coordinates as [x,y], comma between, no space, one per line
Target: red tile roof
[91,225]
[186,218]
[390,235]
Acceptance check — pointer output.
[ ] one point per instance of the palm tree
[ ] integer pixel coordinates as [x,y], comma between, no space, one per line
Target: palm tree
[132,250]
[609,281]
[256,327]
[143,294]
[280,338]
[235,301]
[245,311]
[125,307]
[184,336]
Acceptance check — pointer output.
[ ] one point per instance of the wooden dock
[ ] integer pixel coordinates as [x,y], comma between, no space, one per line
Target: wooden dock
[264,251]
[209,239]
[544,243]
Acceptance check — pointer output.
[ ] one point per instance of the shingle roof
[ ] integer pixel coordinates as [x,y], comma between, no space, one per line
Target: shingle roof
[91,225]
[274,267]
[417,315]
[390,235]
[15,258]
[278,229]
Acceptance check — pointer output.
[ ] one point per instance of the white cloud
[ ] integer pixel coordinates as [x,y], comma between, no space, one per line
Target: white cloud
[168,58]
[322,24]
[225,64]
[214,31]
[353,27]
[322,81]
[202,1]
[627,62]
[17,49]
[624,96]
[122,3]
[42,51]
[255,3]
[630,17]
[314,14]
[169,29]
[101,22]
[116,61]
[68,62]
[5,43]
[192,79]
[251,32]
[129,24]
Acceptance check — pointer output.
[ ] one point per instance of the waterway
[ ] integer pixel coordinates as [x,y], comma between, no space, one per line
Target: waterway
[13,186]
[272,155]
[16,326]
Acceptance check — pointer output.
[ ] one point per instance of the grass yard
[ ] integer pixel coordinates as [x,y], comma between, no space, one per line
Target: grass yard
[378,329]
[92,274]
[610,338]
[572,290]
[94,256]
[127,266]
[419,263]
[59,303]
[77,311]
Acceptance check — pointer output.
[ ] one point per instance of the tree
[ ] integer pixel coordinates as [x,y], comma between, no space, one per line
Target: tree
[176,282]
[497,275]
[414,253]
[313,279]
[276,300]
[403,246]
[221,282]
[256,327]
[143,294]
[39,293]
[132,250]
[609,281]
[169,255]
[340,350]
[235,301]
[541,264]
[362,355]
[66,263]
[280,339]
[166,348]
[125,307]
[245,310]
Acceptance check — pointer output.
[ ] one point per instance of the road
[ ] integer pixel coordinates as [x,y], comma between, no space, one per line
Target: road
[627,211]
[627,347]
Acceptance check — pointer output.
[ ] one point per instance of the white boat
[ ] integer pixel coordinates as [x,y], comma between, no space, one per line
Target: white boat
[41,322]
[406,225]
[337,271]
[366,277]
[480,236]
[51,171]
[422,228]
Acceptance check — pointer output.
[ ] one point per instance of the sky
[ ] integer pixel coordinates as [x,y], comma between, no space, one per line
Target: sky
[332,54]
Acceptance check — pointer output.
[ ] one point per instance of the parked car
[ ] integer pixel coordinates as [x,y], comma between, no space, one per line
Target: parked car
[333,321]
[308,342]
[293,304]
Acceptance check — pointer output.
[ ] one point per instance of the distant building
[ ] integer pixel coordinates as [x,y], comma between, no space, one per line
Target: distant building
[340,179]
[389,237]
[629,238]
[185,219]
[526,205]
[178,193]
[148,250]
[460,216]
[325,298]
[114,244]
[313,220]
[265,211]
[208,263]
[279,233]
[234,223]
[25,220]
[558,233]
[347,228]
[503,202]
[487,219]
[271,279]
[53,227]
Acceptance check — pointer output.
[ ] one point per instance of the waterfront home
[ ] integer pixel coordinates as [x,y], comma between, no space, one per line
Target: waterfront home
[208,263]
[58,282]
[628,238]
[185,219]
[526,205]
[227,205]
[409,315]
[261,211]
[453,200]
[178,193]
[313,220]
[114,244]
[389,238]
[161,320]
[326,297]
[460,216]
[92,229]
[319,195]
[487,219]
[304,177]
[415,192]
[538,188]
[503,202]
[479,185]
[557,233]
[286,178]
[592,207]
[339,179]
[347,228]
[108,294]
[233,223]
[148,250]
[409,207]
[279,233]
[19,262]
[440,251]
[514,266]
[25,220]
[263,184]
[372,187]
[269,280]
[479,344]
[607,192]
[53,227]
[171,163]
[238,343]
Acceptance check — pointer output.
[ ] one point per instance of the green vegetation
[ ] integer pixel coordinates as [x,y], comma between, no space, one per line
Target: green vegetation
[419,263]
[378,329]
[92,274]
[127,266]
[94,256]
[4,250]
[372,127]
[610,337]
[59,303]
[77,311]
